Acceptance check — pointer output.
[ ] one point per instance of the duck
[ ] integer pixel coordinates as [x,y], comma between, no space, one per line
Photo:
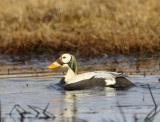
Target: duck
[74,81]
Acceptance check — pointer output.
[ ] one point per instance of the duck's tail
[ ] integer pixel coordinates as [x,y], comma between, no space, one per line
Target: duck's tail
[123,82]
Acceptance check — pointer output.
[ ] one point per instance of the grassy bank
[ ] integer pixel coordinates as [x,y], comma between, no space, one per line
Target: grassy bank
[83,27]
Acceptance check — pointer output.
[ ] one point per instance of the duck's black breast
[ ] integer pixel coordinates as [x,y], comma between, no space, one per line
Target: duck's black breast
[85,84]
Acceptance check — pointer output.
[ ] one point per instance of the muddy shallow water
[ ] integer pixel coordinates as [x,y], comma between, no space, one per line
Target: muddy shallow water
[80,106]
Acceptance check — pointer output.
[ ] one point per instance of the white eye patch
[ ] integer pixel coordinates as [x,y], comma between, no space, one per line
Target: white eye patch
[66,58]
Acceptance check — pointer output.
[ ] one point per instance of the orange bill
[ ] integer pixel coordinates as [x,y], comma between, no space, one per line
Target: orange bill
[52,66]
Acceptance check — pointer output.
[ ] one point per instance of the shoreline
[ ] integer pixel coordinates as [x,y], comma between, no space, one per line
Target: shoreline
[38,65]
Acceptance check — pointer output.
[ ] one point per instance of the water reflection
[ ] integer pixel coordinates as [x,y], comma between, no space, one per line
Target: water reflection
[77,102]
[70,107]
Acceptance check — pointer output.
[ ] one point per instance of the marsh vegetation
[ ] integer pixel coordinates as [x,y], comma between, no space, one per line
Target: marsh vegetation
[83,27]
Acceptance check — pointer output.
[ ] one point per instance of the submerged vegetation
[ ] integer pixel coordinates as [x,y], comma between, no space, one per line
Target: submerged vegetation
[83,27]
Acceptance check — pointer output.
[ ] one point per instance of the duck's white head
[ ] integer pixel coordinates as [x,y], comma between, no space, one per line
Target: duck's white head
[66,60]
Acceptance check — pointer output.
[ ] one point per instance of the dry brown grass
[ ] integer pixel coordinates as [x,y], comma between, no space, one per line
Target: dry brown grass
[83,27]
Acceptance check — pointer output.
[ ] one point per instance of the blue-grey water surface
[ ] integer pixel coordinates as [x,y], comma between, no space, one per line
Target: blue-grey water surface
[95,105]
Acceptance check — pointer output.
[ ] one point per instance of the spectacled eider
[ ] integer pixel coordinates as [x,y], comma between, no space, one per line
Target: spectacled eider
[74,81]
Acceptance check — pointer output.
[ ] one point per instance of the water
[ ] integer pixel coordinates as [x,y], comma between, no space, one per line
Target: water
[95,105]
[31,83]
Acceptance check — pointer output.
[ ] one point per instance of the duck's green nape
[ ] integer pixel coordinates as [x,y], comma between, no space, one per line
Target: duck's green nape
[73,64]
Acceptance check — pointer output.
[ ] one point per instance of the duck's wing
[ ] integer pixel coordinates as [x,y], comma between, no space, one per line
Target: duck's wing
[98,79]
[122,81]
[114,79]
[90,80]
[107,76]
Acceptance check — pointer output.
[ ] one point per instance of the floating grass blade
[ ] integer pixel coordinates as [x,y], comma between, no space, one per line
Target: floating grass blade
[152,96]
[150,116]
[122,113]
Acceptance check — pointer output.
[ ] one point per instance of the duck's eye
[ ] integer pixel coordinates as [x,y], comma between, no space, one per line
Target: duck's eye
[63,57]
